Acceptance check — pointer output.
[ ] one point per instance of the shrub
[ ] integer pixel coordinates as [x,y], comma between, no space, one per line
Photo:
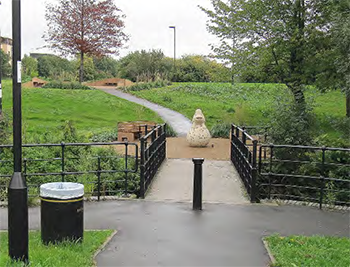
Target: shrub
[170,131]
[149,85]
[220,130]
[64,85]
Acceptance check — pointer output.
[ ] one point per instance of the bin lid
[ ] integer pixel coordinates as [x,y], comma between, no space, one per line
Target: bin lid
[62,190]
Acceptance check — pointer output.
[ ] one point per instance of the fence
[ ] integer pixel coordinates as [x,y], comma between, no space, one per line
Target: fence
[305,173]
[243,157]
[153,153]
[102,171]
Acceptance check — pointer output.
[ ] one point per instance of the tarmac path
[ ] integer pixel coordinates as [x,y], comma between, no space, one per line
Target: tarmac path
[180,124]
[171,234]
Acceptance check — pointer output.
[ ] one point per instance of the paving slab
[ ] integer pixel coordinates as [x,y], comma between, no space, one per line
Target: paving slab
[180,124]
[174,182]
[171,234]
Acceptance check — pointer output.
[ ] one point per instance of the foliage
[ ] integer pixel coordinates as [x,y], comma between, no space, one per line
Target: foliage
[290,125]
[341,42]
[220,130]
[63,254]
[144,66]
[105,136]
[106,67]
[5,64]
[196,68]
[94,28]
[170,131]
[284,34]
[148,85]
[29,66]
[66,85]
[315,251]
[54,67]
[4,128]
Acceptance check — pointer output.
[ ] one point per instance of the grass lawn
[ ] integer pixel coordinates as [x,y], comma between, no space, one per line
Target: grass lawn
[314,251]
[245,104]
[45,110]
[64,254]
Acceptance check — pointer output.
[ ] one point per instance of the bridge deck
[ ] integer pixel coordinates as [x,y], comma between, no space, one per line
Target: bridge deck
[174,182]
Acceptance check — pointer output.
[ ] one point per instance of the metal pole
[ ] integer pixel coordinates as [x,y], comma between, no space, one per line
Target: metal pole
[173,27]
[17,191]
[197,183]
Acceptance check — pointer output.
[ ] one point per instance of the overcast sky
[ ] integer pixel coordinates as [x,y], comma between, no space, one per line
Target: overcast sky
[147,22]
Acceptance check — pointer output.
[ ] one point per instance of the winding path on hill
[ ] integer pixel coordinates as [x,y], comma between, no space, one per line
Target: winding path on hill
[180,124]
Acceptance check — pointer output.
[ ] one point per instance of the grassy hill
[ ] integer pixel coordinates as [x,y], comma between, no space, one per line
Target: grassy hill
[90,111]
[248,104]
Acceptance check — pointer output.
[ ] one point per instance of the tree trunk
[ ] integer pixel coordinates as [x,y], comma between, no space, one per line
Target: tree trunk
[81,68]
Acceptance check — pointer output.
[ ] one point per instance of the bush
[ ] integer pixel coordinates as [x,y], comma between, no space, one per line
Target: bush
[149,85]
[220,130]
[63,85]
[170,131]
[106,136]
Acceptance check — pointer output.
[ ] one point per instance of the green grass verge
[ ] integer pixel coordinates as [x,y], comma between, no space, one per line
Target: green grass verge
[247,104]
[46,110]
[314,251]
[64,254]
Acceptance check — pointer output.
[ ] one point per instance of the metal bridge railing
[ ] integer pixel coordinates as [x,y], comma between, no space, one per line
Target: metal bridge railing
[305,173]
[153,153]
[103,173]
[243,157]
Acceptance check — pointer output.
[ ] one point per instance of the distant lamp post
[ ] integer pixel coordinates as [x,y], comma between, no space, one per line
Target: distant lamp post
[17,191]
[173,27]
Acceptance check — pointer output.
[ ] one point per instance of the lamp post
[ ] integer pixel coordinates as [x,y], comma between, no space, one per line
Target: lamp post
[173,27]
[17,191]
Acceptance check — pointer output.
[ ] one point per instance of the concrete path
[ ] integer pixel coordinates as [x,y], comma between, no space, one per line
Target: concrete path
[171,234]
[174,182]
[177,121]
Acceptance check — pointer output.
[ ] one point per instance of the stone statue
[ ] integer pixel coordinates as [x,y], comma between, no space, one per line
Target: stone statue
[199,135]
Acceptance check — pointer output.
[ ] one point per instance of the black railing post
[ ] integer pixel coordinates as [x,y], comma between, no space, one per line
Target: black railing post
[254,193]
[142,168]
[323,180]
[197,183]
[244,136]
[98,178]
[126,169]
[62,161]
[270,170]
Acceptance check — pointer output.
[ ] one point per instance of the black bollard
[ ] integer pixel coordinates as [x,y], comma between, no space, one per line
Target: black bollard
[18,218]
[197,183]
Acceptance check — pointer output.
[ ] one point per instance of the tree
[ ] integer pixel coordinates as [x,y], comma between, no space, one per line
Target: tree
[144,66]
[341,43]
[30,66]
[5,64]
[55,67]
[285,31]
[91,27]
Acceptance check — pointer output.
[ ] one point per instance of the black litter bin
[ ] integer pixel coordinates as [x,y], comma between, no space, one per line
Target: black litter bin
[62,212]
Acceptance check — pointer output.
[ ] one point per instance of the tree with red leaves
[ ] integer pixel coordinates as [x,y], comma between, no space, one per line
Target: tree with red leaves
[91,27]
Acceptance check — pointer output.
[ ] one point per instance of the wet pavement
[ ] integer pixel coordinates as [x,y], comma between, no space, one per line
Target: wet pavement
[180,124]
[171,234]
[174,182]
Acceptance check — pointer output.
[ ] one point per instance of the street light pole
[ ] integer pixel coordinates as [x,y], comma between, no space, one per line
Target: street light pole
[17,191]
[173,27]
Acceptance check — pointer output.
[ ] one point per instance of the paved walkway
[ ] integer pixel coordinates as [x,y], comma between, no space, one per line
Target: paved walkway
[171,234]
[177,121]
[174,182]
